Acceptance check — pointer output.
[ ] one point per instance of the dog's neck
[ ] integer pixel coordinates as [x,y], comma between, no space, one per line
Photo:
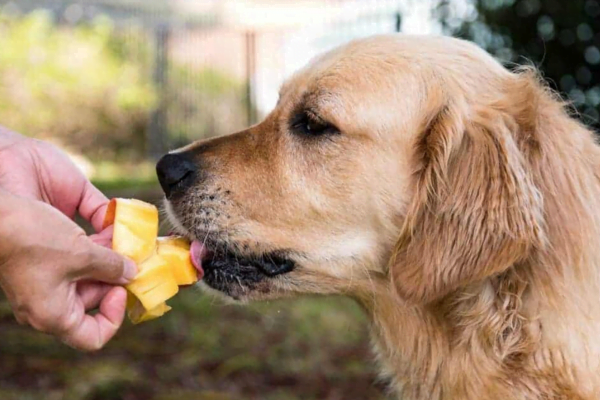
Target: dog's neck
[493,337]
[408,343]
[530,332]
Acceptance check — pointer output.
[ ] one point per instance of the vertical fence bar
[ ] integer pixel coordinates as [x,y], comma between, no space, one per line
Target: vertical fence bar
[398,22]
[250,75]
[157,132]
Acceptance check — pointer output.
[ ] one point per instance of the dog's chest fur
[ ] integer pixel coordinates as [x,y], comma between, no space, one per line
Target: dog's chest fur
[492,341]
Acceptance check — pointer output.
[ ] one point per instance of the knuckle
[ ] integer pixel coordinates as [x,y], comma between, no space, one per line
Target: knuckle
[83,252]
[116,268]
[87,259]
[96,259]
[84,260]
[65,322]
[112,266]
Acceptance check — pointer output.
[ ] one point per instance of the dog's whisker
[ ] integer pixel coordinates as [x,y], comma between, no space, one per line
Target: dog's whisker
[239,281]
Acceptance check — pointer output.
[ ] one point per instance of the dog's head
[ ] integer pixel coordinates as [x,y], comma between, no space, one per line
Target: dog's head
[395,159]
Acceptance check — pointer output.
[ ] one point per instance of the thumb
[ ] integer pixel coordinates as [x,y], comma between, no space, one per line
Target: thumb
[107,266]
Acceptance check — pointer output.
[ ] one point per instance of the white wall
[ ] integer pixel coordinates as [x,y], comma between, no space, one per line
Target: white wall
[337,24]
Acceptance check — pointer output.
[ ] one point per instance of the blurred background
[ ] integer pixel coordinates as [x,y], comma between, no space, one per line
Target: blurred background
[116,83]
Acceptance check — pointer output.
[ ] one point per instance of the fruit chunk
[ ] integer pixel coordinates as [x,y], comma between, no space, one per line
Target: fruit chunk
[176,252]
[135,227]
[154,283]
[137,313]
[164,263]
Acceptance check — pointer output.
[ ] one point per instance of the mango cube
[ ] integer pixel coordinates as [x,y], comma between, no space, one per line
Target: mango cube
[135,227]
[164,263]
[154,282]
[176,252]
[137,313]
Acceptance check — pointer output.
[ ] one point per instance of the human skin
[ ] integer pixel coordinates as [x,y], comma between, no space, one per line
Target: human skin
[52,272]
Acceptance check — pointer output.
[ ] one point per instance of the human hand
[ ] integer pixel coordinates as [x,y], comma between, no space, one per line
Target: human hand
[38,170]
[49,271]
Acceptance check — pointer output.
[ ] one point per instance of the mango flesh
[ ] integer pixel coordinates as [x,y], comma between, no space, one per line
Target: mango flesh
[154,282]
[164,263]
[137,313]
[176,251]
[135,227]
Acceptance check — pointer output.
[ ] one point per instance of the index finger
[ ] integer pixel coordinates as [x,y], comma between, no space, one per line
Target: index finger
[93,332]
[93,205]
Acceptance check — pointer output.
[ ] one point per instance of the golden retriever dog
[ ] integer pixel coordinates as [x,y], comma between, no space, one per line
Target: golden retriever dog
[456,201]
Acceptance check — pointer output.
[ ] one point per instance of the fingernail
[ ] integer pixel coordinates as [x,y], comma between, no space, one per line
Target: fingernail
[130,270]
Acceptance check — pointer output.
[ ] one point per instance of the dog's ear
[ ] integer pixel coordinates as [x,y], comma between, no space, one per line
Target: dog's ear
[475,211]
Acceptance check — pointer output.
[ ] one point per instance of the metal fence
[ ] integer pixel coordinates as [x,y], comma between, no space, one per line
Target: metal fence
[212,73]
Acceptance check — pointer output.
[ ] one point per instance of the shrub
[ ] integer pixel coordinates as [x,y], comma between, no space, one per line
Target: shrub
[85,86]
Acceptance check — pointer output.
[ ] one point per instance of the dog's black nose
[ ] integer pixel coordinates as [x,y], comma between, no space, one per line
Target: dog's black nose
[176,172]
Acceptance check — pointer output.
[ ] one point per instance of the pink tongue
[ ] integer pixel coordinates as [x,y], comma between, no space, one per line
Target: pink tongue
[197,253]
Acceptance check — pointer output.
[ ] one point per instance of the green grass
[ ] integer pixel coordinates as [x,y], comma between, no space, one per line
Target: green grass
[307,348]
[114,177]
[121,184]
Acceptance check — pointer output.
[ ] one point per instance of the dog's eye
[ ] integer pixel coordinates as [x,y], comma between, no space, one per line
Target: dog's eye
[310,124]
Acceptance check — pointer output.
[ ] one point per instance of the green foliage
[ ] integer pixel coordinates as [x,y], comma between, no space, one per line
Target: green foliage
[86,86]
[90,87]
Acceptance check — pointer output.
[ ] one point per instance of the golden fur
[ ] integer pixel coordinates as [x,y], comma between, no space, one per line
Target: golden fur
[459,204]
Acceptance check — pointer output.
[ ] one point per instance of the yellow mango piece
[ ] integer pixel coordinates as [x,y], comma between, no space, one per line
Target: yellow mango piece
[164,263]
[135,227]
[154,283]
[176,252]
[137,313]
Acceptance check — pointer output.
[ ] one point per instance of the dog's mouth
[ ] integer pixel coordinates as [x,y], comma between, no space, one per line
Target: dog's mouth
[235,274]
